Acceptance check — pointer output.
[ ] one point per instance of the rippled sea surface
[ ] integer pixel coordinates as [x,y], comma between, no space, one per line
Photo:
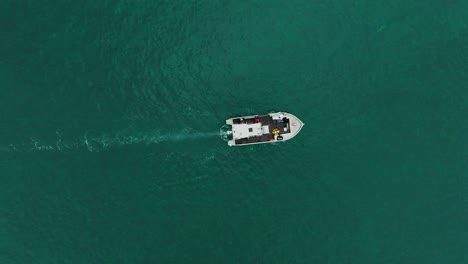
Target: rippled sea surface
[109,131]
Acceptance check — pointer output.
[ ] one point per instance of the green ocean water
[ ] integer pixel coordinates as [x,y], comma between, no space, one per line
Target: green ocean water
[110,150]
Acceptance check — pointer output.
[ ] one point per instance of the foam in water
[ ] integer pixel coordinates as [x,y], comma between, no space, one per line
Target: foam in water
[95,142]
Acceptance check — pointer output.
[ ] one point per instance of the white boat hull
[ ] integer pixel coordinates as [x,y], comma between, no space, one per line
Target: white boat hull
[274,127]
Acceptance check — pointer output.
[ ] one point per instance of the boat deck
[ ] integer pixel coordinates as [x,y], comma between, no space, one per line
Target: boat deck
[266,120]
[257,139]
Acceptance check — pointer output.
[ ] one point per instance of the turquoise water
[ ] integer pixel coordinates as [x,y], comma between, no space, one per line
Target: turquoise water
[109,131]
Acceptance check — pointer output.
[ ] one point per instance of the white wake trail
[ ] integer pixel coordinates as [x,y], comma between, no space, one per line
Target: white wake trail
[96,142]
